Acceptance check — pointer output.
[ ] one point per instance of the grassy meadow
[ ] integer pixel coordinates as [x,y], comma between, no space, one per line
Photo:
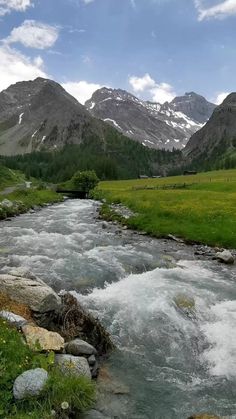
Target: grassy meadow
[199,208]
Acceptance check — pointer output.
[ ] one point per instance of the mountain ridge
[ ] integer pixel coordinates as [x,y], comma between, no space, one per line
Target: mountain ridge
[152,124]
[218,136]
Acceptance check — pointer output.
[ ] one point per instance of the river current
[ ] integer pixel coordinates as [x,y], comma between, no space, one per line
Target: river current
[174,362]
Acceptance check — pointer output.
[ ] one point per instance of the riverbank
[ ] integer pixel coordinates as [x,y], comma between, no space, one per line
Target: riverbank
[198,209]
[21,201]
[50,349]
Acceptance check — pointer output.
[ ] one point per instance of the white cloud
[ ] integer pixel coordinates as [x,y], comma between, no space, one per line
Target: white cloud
[87,1]
[158,92]
[220,97]
[140,84]
[6,6]
[81,90]
[34,34]
[15,67]
[221,10]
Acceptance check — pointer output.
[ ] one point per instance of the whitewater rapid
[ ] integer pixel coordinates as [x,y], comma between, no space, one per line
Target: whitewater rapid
[174,362]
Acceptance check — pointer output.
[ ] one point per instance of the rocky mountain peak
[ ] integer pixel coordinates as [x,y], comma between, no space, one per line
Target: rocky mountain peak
[154,125]
[195,106]
[41,115]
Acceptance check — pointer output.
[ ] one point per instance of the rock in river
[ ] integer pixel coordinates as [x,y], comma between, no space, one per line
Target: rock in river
[225,257]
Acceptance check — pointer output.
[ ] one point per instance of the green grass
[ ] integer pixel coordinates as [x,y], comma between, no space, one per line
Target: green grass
[10,177]
[27,199]
[204,211]
[15,358]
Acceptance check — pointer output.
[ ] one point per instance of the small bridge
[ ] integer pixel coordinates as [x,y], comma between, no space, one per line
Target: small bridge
[74,194]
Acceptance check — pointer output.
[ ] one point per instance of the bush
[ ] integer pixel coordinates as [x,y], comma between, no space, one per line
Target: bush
[84,181]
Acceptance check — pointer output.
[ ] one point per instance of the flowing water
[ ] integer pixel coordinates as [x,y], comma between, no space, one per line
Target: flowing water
[174,361]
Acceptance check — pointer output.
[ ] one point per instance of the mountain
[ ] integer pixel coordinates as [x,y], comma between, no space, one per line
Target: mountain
[218,137]
[194,106]
[154,125]
[41,115]
[46,133]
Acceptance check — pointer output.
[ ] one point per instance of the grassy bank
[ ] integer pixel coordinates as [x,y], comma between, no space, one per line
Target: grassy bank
[24,200]
[13,188]
[198,208]
[17,357]
[10,177]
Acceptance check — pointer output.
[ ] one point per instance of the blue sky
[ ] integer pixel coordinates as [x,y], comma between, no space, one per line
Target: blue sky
[156,49]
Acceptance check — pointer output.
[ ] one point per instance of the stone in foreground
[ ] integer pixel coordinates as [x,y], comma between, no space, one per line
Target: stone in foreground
[80,347]
[41,339]
[32,292]
[75,365]
[30,383]
[13,319]
[225,257]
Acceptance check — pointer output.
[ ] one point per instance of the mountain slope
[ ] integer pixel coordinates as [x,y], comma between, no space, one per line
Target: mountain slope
[41,115]
[154,125]
[218,136]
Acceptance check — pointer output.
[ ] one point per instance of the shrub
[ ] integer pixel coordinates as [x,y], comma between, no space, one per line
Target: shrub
[84,181]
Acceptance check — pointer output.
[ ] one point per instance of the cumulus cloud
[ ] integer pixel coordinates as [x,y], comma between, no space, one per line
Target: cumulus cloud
[81,90]
[34,34]
[6,6]
[221,10]
[15,67]
[220,97]
[158,92]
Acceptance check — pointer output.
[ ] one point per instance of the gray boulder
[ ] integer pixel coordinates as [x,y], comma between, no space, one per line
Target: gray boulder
[13,319]
[92,360]
[7,204]
[75,365]
[30,383]
[80,347]
[225,257]
[29,291]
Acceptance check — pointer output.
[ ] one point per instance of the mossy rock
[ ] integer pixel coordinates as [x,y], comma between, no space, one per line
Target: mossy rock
[184,302]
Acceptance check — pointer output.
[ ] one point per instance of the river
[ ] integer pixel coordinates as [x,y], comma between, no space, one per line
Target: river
[174,362]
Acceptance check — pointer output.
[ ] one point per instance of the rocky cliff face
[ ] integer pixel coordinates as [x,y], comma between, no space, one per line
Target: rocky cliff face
[41,115]
[194,106]
[154,125]
[219,132]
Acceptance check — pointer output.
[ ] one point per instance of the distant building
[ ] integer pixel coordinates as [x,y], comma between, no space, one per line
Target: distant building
[143,177]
